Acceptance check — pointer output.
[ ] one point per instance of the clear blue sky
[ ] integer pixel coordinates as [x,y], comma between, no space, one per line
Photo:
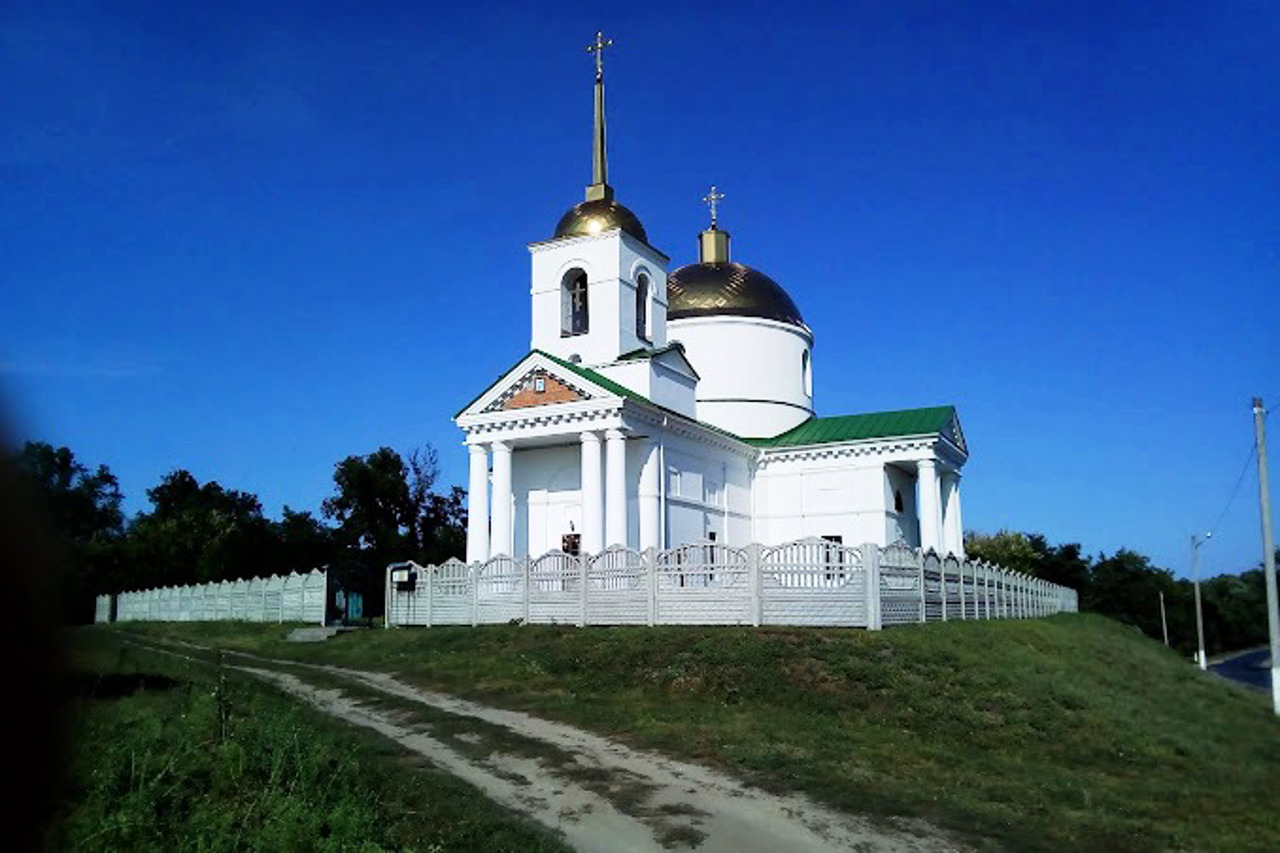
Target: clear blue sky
[250,239]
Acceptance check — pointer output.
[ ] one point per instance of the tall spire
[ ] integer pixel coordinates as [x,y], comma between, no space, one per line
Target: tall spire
[599,188]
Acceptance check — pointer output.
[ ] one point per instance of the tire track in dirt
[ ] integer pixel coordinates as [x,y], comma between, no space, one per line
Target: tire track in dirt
[601,794]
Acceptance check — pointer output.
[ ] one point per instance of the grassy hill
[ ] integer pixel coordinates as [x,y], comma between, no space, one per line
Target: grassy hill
[164,754]
[1071,731]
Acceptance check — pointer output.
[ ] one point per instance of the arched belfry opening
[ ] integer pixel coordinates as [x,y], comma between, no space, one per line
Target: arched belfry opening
[642,306]
[574,313]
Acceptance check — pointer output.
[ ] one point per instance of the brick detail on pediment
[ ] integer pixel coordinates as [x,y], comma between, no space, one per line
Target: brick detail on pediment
[525,393]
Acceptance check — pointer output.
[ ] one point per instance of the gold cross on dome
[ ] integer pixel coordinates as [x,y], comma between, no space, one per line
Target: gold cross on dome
[711,200]
[598,49]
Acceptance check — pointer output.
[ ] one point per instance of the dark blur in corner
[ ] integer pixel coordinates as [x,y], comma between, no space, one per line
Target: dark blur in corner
[32,678]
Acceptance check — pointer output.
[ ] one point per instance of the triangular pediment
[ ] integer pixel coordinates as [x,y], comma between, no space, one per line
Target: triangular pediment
[537,387]
[954,434]
[540,380]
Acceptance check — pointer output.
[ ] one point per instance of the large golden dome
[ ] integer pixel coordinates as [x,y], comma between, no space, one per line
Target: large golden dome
[593,217]
[711,289]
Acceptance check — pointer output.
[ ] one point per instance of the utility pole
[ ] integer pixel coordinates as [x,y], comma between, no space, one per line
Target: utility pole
[1164,623]
[1268,549]
[1195,575]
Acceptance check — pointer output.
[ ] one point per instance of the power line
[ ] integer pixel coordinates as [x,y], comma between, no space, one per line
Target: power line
[1244,469]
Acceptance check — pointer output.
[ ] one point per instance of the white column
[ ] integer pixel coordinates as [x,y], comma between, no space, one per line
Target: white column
[615,488]
[500,537]
[478,505]
[953,529]
[592,499]
[649,508]
[930,506]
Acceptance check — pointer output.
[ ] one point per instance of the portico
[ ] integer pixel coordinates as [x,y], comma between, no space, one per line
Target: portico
[600,511]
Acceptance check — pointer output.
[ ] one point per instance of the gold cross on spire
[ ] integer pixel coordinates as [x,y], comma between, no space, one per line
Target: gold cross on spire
[598,49]
[711,200]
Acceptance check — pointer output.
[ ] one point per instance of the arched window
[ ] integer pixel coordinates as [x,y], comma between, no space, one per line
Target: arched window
[807,370]
[573,303]
[642,306]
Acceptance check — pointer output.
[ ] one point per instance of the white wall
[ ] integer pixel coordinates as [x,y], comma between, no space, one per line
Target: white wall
[708,489]
[662,380]
[752,372]
[546,487]
[821,497]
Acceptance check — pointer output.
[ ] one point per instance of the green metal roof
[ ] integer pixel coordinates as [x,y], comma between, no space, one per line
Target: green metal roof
[859,427]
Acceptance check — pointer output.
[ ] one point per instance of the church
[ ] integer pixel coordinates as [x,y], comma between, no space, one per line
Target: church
[660,407]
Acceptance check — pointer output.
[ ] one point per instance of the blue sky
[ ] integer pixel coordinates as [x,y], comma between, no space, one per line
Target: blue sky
[251,239]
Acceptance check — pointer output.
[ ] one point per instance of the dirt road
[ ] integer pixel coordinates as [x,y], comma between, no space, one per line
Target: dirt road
[600,794]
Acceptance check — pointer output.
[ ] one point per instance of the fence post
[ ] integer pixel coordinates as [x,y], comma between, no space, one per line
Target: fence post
[754,592]
[429,572]
[982,599]
[474,573]
[960,569]
[651,579]
[386,597]
[582,617]
[871,568]
[919,555]
[991,592]
[527,575]
[942,583]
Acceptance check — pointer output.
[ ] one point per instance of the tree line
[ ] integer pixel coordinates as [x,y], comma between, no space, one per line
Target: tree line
[384,508]
[1127,587]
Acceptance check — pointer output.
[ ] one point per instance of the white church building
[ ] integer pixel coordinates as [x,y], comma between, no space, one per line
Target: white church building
[660,407]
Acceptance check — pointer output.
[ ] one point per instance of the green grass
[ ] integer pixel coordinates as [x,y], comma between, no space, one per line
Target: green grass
[172,755]
[1072,731]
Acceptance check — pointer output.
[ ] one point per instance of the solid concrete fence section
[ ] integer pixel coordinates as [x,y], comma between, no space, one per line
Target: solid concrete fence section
[102,609]
[807,582]
[279,598]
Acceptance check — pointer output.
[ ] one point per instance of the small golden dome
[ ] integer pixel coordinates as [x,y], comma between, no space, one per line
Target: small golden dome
[594,217]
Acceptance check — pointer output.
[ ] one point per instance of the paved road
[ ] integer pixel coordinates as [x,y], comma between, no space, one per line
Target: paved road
[1251,668]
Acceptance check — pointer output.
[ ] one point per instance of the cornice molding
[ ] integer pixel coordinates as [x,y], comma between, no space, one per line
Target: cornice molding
[871,447]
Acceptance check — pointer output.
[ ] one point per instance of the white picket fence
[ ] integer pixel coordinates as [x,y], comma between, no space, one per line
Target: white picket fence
[809,582]
[279,598]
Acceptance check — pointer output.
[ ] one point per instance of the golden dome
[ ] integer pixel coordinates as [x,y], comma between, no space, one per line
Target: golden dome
[594,217]
[712,289]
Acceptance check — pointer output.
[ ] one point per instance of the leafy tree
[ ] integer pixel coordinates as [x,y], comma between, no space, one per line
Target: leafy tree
[388,511]
[373,505]
[199,533]
[439,528]
[1007,549]
[1031,553]
[303,542]
[82,508]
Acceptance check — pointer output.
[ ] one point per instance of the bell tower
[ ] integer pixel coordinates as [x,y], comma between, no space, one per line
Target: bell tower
[599,290]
